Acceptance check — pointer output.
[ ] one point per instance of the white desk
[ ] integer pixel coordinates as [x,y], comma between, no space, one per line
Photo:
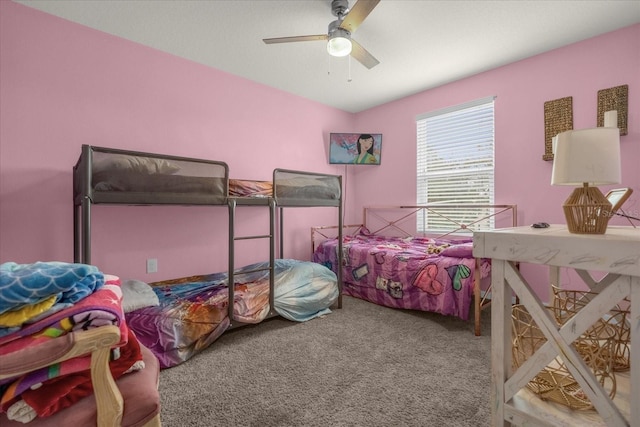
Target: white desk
[616,253]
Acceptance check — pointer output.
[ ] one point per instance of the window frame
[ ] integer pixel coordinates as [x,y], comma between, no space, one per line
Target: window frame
[455,131]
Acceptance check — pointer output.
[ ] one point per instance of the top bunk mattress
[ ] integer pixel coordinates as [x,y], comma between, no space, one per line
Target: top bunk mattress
[106,175]
[118,176]
[298,188]
[291,188]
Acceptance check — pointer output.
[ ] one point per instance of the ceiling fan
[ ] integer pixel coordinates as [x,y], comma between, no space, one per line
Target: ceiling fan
[339,41]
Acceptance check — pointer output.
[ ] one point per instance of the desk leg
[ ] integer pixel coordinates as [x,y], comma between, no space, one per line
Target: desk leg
[634,357]
[500,340]
[554,280]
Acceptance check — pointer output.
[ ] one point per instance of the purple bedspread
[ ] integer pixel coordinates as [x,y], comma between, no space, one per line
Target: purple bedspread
[417,273]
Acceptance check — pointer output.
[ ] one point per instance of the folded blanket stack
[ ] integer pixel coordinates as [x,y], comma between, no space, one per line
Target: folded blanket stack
[41,302]
[30,291]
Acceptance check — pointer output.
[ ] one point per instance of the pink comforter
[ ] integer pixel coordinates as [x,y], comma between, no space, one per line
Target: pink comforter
[415,273]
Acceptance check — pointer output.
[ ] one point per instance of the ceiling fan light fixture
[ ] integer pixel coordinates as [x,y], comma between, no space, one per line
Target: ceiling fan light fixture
[339,43]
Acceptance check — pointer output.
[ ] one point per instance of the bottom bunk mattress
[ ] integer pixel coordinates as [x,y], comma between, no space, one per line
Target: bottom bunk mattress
[193,311]
[417,273]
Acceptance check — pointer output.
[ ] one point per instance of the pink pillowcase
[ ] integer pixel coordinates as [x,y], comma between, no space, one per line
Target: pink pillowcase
[463,250]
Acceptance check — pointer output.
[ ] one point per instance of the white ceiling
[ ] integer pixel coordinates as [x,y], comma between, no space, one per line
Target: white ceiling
[420,44]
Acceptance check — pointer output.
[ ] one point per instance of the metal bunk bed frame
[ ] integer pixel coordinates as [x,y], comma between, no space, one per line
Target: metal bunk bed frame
[84,197]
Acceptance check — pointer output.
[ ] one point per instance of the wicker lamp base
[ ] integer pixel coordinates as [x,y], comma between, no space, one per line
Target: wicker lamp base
[587,211]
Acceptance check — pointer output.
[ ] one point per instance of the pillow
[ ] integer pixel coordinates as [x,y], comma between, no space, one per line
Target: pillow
[464,250]
[147,165]
[137,294]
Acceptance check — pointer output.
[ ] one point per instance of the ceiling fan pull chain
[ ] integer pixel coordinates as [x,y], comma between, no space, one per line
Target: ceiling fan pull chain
[349,78]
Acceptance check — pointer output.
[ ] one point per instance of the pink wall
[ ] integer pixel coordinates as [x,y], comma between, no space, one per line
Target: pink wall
[64,85]
[522,88]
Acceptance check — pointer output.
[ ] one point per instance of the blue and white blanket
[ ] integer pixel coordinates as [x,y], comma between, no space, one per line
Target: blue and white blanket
[26,284]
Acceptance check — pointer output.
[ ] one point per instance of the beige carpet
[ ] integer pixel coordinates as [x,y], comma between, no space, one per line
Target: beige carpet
[362,365]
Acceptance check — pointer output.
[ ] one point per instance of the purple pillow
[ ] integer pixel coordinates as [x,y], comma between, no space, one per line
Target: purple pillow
[463,250]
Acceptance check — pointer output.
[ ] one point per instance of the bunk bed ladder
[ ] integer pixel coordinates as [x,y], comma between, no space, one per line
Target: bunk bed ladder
[233,203]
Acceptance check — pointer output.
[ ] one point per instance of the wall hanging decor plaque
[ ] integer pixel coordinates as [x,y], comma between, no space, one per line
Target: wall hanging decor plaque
[558,117]
[614,98]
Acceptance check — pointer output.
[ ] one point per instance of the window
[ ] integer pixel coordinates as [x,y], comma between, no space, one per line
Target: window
[456,162]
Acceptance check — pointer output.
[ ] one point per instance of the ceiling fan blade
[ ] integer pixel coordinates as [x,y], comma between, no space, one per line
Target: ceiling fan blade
[361,54]
[357,14]
[295,39]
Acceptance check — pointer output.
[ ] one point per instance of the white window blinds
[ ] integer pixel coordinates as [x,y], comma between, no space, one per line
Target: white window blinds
[456,160]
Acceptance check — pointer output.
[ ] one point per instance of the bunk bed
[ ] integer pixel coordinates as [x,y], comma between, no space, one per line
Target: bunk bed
[192,312]
[393,259]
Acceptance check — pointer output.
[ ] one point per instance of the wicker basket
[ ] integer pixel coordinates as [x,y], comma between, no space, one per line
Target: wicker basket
[555,382]
[566,303]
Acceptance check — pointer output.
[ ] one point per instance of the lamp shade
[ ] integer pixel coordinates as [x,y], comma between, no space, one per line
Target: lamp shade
[589,156]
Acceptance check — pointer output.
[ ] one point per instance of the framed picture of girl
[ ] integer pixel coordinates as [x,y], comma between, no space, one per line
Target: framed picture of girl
[355,148]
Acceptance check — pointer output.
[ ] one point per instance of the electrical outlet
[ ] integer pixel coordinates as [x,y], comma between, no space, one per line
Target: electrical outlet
[152,265]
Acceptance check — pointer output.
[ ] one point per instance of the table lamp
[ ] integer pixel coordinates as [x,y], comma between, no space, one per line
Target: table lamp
[587,158]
